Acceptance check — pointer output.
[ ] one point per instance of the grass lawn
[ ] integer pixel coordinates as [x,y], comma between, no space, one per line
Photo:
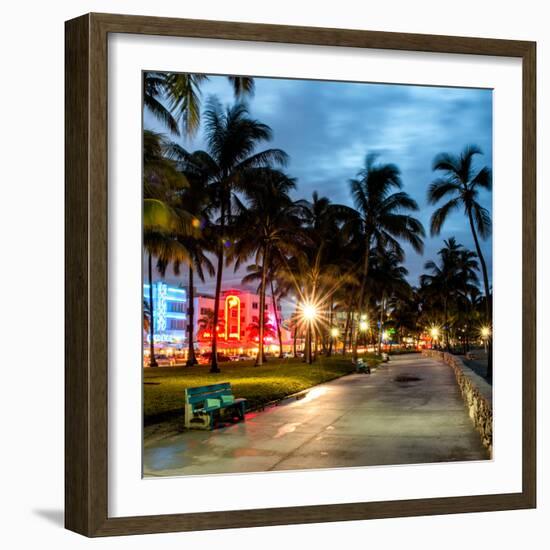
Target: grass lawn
[163,387]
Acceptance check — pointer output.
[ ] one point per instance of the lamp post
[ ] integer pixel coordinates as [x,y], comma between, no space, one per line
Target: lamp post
[385,338]
[485,334]
[309,313]
[434,334]
[364,327]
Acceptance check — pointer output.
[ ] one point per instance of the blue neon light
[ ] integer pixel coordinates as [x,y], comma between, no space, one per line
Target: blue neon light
[162,296]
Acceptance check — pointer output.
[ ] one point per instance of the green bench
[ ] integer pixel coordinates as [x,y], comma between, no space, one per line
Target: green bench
[204,405]
[362,367]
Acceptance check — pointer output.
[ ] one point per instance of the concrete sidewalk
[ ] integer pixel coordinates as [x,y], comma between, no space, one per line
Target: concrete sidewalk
[358,420]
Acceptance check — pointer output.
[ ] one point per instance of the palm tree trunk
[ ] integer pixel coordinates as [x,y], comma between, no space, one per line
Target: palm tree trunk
[346,329]
[445,322]
[316,346]
[309,336]
[306,346]
[487,296]
[295,336]
[191,359]
[331,338]
[277,321]
[152,359]
[261,320]
[382,306]
[214,368]
[352,330]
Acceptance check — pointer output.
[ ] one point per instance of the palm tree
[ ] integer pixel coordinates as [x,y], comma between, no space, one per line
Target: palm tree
[146,316]
[166,248]
[174,98]
[268,226]
[406,311]
[314,284]
[162,181]
[453,276]
[461,184]
[324,223]
[232,137]
[206,322]
[258,327]
[382,217]
[279,287]
[388,277]
[165,223]
[193,200]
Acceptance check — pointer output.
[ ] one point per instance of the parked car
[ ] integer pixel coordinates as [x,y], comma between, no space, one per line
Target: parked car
[166,361]
[240,357]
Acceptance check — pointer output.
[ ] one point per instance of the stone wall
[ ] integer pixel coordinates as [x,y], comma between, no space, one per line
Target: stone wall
[476,392]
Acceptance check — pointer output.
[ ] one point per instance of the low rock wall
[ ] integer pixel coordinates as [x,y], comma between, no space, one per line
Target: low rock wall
[476,392]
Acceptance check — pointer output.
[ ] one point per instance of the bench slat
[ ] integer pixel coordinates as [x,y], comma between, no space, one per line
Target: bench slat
[192,400]
[207,389]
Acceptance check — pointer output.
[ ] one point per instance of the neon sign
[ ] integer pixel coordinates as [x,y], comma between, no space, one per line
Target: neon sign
[162,296]
[166,338]
[160,309]
[232,303]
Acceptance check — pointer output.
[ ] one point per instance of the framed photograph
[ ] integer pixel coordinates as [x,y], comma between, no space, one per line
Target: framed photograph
[300,275]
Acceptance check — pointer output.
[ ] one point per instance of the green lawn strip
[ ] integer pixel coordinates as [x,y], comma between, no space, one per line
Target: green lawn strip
[163,388]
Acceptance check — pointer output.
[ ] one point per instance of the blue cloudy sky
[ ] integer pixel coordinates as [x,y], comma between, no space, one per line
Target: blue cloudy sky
[327,128]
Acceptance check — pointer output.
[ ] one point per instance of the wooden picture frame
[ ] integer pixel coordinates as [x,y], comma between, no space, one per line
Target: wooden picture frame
[86,283]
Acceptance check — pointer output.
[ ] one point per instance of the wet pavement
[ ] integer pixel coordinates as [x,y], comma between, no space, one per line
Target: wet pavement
[384,418]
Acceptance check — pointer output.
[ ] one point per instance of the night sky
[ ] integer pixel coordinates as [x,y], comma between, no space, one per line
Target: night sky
[327,128]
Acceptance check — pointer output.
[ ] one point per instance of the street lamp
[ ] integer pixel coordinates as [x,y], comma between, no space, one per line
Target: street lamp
[334,332]
[485,334]
[309,314]
[363,326]
[434,333]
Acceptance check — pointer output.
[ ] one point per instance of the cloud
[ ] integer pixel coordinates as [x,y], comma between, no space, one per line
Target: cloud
[327,128]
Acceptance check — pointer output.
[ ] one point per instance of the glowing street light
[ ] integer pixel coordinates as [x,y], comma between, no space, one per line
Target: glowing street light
[485,334]
[363,326]
[309,312]
[334,332]
[434,334]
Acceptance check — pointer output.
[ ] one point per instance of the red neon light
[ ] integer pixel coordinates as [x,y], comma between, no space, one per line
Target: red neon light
[232,303]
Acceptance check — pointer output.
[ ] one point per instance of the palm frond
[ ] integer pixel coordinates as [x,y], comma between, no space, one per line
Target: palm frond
[440,188]
[482,220]
[441,214]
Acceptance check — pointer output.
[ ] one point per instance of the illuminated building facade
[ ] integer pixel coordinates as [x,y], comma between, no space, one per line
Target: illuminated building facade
[239,313]
[238,322]
[169,313]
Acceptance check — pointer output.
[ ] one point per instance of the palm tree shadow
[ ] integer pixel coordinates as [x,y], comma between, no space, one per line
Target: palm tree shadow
[57,517]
